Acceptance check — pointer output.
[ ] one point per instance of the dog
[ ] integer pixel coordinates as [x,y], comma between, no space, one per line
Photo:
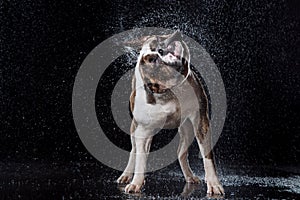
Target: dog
[167,94]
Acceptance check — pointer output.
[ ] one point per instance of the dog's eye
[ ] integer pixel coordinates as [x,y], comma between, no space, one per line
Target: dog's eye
[160,51]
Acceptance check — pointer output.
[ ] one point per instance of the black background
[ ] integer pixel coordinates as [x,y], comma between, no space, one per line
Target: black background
[254,45]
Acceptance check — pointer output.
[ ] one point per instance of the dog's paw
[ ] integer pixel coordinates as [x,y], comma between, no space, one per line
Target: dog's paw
[192,179]
[124,178]
[133,188]
[214,187]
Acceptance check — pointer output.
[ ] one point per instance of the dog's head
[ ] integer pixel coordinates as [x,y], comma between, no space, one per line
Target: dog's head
[164,61]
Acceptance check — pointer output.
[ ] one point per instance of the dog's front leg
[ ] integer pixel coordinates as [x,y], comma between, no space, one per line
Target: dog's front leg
[213,184]
[203,136]
[127,174]
[143,138]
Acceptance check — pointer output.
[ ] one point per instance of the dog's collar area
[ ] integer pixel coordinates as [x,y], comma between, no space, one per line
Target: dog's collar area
[153,88]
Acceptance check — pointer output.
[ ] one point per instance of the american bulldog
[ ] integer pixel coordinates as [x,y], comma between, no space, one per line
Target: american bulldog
[167,94]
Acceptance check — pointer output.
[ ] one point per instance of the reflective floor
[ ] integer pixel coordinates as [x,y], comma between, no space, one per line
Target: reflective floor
[40,180]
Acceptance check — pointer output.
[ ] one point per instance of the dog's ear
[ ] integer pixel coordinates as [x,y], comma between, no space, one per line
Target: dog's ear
[137,43]
[176,36]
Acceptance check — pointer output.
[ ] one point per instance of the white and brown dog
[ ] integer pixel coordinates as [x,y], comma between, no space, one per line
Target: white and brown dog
[163,88]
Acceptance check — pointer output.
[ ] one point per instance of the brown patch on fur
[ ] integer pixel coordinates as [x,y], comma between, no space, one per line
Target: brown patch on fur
[210,156]
[149,95]
[133,126]
[133,93]
[132,96]
[186,67]
[203,105]
[131,101]
[153,45]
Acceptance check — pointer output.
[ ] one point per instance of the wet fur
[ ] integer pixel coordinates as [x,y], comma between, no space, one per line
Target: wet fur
[161,103]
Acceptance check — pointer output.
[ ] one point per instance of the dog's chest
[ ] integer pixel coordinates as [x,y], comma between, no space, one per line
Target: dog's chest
[154,115]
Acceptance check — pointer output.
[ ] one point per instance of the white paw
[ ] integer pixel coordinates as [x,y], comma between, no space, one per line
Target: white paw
[124,178]
[214,187]
[133,188]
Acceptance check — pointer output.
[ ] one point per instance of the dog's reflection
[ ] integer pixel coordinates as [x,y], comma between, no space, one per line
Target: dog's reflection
[187,191]
[189,188]
[130,196]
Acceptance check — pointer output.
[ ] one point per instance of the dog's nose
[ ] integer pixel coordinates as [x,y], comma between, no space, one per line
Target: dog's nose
[151,58]
[154,87]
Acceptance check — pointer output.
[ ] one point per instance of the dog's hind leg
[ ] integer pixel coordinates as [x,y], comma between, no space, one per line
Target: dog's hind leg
[128,172]
[186,138]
